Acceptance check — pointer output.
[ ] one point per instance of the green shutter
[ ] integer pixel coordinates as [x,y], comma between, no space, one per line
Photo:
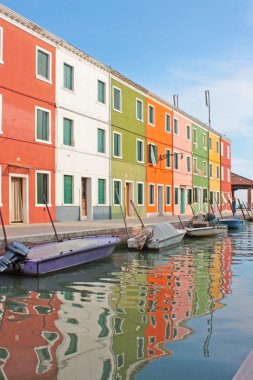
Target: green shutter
[68,77]
[101,141]
[116,192]
[117,147]
[68,189]
[42,188]
[176,196]
[101,92]
[140,193]
[67,132]
[42,125]
[168,195]
[168,158]
[101,191]
[43,64]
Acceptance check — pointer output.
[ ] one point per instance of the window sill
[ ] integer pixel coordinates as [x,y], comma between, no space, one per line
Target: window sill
[119,111]
[43,205]
[101,103]
[49,81]
[44,141]
[68,90]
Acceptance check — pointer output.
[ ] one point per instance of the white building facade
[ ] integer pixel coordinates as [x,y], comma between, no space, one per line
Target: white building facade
[82,137]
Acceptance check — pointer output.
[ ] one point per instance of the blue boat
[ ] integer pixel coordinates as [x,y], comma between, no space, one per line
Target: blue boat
[233,222]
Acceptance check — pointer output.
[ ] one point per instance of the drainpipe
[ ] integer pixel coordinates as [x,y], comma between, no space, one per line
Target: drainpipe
[109,150]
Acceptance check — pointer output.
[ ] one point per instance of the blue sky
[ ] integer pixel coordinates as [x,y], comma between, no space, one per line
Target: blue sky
[182,47]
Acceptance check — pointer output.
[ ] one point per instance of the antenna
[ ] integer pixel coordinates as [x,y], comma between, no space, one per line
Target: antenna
[208,104]
[175,100]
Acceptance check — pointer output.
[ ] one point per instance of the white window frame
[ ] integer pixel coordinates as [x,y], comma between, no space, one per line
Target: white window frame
[49,141]
[143,201]
[165,121]
[49,188]
[176,204]
[120,195]
[139,100]
[205,166]
[174,133]
[188,171]
[210,166]
[73,78]
[177,154]
[217,172]
[1,45]
[100,80]
[217,147]
[149,185]
[142,151]
[228,175]
[195,160]
[105,189]
[167,186]
[102,129]
[151,106]
[210,142]
[1,114]
[120,92]
[228,152]
[120,134]
[167,152]
[73,134]
[188,126]
[40,77]
[222,173]
[204,141]
[222,148]
[73,190]
[194,132]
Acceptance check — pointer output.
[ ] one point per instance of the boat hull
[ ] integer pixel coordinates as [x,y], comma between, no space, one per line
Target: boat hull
[156,245]
[232,223]
[206,231]
[53,257]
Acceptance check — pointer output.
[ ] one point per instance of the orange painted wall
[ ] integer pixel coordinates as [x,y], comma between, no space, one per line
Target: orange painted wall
[159,174]
[21,92]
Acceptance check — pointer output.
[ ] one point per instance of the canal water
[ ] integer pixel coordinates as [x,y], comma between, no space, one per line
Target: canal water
[181,314]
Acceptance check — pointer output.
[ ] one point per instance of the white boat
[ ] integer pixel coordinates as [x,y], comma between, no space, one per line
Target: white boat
[156,237]
[206,231]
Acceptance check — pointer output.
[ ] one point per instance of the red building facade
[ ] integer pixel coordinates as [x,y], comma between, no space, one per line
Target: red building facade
[27,123]
[225,175]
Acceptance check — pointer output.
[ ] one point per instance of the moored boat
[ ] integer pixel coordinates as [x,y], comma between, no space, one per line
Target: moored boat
[159,236]
[52,257]
[206,231]
[232,222]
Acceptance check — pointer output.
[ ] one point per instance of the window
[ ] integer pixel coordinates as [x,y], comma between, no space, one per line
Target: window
[140,347]
[205,195]
[139,109]
[210,144]
[168,195]
[176,191]
[205,168]
[68,189]
[117,151]
[167,123]
[189,196]
[195,194]
[188,159]
[1,112]
[218,197]
[175,127]
[1,45]
[217,147]
[167,154]
[101,191]
[188,132]
[204,140]
[101,140]
[195,136]
[210,170]
[117,99]
[42,186]
[140,150]
[211,197]
[116,192]
[228,175]
[68,132]
[43,70]
[42,125]
[68,77]
[151,114]
[222,148]
[217,172]
[176,162]
[152,154]
[222,173]
[140,194]
[195,166]
[101,92]
[151,194]
[228,151]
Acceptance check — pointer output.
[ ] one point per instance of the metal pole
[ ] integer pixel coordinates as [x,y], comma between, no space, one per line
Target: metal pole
[246,210]
[50,216]
[123,217]
[192,209]
[180,222]
[217,206]
[241,209]
[231,206]
[132,203]
[3,227]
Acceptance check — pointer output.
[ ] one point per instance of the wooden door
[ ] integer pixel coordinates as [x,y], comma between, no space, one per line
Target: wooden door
[84,197]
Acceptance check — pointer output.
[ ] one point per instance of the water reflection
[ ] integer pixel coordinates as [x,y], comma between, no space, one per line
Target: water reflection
[107,321]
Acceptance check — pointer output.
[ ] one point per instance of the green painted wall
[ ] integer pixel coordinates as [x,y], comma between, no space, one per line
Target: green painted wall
[201,154]
[127,168]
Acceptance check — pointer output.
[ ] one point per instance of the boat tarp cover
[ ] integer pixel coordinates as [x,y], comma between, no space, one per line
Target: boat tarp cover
[162,231]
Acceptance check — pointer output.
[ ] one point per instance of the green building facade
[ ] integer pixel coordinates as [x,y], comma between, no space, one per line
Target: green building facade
[128,149]
[200,166]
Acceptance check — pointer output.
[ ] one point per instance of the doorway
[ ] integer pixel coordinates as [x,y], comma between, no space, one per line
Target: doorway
[18,199]
[160,201]
[84,211]
[200,198]
[182,200]
[128,196]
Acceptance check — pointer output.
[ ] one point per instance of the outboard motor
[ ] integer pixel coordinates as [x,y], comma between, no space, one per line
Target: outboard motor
[211,218]
[16,253]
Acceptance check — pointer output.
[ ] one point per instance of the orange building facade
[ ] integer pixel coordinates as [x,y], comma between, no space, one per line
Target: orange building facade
[27,131]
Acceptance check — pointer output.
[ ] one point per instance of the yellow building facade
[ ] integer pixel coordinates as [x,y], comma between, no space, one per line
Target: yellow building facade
[214,170]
